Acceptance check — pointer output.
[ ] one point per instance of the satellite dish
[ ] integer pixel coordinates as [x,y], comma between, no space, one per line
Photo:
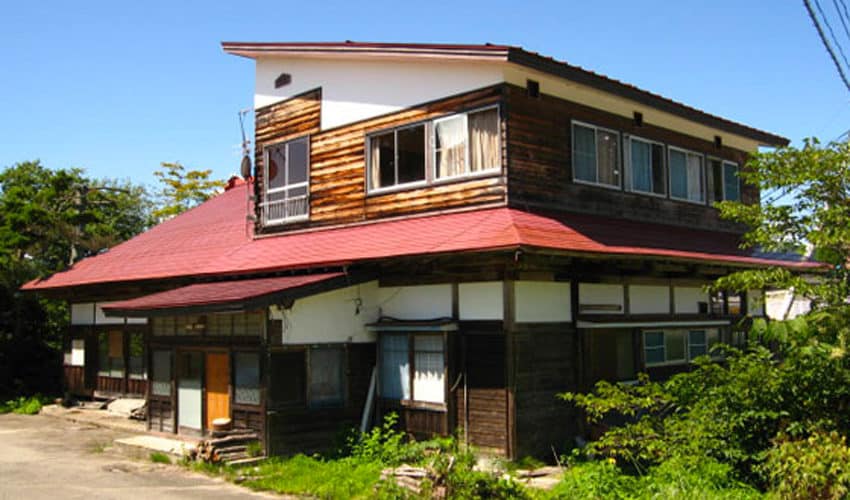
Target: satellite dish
[246,167]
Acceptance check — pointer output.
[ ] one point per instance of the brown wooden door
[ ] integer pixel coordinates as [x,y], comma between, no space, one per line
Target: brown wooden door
[217,387]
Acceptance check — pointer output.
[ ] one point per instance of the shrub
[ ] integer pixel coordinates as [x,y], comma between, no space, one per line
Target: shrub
[814,468]
[158,457]
[24,405]
[301,475]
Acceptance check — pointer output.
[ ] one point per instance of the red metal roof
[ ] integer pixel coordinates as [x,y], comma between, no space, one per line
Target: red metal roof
[215,239]
[221,292]
[505,53]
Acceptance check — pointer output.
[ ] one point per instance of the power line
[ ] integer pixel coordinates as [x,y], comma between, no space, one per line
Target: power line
[826,43]
[846,13]
[841,16]
[831,33]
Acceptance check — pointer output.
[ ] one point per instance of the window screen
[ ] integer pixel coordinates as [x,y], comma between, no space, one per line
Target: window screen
[326,376]
[247,378]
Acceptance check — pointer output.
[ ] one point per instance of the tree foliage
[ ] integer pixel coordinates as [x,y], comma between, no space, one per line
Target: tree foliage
[182,189]
[49,219]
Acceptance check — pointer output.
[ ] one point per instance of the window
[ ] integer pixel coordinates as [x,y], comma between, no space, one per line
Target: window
[662,347]
[455,146]
[424,380]
[78,352]
[285,187]
[724,176]
[646,166]
[397,157]
[686,176]
[596,155]
[246,378]
[111,354]
[161,373]
[326,376]
[136,369]
[287,378]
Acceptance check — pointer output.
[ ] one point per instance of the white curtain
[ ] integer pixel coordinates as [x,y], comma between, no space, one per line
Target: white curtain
[429,366]
[395,367]
[695,191]
[484,140]
[608,158]
[450,143]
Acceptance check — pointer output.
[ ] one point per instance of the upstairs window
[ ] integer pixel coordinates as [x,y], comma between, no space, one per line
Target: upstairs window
[397,157]
[686,176]
[724,175]
[646,166]
[452,147]
[285,189]
[596,155]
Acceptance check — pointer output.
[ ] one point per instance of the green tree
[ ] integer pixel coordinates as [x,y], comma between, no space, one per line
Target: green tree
[48,220]
[182,189]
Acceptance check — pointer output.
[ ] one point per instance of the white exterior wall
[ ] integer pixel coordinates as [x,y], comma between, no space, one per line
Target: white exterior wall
[778,302]
[687,299]
[542,302]
[332,317]
[601,294]
[90,313]
[649,299]
[481,301]
[353,90]
[416,302]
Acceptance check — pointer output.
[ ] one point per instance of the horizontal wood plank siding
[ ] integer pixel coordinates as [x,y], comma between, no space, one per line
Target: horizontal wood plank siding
[484,408]
[75,380]
[539,164]
[338,162]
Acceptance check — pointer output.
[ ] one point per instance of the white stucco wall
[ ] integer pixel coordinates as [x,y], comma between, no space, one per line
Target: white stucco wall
[649,299]
[686,299]
[599,294]
[354,90]
[332,317]
[416,302]
[481,301]
[542,301]
[89,313]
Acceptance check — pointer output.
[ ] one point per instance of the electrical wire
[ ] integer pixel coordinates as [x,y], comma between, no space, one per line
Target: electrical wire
[826,45]
[841,18]
[832,33]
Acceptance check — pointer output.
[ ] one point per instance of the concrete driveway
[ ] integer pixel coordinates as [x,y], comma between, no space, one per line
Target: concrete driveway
[44,457]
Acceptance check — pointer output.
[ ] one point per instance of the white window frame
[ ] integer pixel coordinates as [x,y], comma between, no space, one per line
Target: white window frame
[619,166]
[670,150]
[627,156]
[286,187]
[411,350]
[687,341]
[723,164]
[431,178]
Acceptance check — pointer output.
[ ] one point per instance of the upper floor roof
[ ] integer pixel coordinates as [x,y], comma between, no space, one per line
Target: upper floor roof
[478,65]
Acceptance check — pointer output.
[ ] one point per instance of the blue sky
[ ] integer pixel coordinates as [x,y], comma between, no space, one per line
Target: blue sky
[118,87]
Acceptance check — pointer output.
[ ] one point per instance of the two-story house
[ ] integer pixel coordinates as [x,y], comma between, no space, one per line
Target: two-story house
[452,232]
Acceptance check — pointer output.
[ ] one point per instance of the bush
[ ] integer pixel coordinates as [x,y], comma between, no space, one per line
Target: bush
[158,457]
[24,405]
[813,468]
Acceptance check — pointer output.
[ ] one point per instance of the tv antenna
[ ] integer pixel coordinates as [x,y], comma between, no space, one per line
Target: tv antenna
[245,167]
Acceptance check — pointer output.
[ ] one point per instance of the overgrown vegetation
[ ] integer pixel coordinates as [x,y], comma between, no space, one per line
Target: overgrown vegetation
[24,405]
[158,457]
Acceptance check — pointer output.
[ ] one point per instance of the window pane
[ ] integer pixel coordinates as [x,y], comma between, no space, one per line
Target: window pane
[608,157]
[382,160]
[276,176]
[659,186]
[219,325]
[674,344]
[136,370]
[326,367]
[247,378]
[287,373]
[395,367]
[716,179]
[695,179]
[584,153]
[103,354]
[731,187]
[654,355]
[696,337]
[641,163]
[161,373]
[654,339]
[678,175]
[429,365]
[297,164]
[248,324]
[450,146]
[411,154]
[712,337]
[484,151]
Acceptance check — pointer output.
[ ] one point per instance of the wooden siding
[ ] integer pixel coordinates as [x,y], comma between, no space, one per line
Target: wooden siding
[75,380]
[546,364]
[539,164]
[482,411]
[338,162]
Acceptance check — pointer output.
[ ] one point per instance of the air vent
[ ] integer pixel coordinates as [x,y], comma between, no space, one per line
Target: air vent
[532,87]
[638,119]
[283,80]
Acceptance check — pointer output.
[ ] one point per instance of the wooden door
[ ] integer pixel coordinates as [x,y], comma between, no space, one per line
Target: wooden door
[217,387]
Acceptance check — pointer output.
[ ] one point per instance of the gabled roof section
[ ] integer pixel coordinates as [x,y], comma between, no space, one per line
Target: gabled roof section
[506,54]
[214,240]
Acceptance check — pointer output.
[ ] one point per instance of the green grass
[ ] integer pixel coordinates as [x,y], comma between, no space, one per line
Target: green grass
[98,446]
[327,479]
[160,458]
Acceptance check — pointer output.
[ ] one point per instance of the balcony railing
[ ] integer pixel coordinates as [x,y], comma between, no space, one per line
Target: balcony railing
[283,206]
